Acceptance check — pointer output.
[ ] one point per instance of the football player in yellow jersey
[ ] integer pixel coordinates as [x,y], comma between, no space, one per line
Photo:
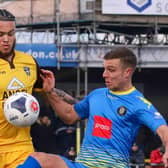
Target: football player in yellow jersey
[18,72]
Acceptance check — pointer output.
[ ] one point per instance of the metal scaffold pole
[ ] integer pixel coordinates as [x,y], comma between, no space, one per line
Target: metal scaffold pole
[78,126]
[58,39]
[31,19]
[94,20]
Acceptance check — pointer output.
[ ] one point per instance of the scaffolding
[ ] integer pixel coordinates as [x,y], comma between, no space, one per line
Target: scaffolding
[87,28]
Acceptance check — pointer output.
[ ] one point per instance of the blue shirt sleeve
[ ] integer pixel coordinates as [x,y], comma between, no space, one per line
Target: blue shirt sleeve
[82,108]
[151,118]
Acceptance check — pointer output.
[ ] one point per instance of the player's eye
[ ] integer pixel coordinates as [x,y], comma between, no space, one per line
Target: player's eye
[1,34]
[11,33]
[111,70]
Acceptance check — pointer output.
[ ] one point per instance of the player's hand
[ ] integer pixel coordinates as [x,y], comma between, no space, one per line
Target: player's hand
[48,80]
[165,159]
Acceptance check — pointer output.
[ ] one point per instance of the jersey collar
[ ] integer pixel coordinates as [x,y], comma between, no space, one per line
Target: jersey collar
[123,92]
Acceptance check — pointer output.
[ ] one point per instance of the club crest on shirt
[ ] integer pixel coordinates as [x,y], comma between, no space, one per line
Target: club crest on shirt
[27,70]
[122,110]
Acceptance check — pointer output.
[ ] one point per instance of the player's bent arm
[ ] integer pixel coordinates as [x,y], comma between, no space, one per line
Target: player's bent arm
[66,97]
[58,100]
[162,131]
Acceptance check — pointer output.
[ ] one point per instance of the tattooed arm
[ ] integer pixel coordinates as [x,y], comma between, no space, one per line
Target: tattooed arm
[60,101]
[66,97]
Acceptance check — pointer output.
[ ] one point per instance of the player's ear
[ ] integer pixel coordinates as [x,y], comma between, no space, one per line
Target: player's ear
[128,71]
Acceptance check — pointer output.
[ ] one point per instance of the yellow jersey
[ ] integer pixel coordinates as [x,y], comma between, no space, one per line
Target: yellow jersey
[18,76]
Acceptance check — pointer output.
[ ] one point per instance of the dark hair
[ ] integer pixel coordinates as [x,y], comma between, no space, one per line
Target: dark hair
[6,15]
[127,57]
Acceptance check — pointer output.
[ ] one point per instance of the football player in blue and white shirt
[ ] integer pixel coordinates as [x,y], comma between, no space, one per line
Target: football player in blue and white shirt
[114,114]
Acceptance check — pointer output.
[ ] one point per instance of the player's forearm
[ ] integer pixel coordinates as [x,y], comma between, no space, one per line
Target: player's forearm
[66,97]
[61,103]
[163,133]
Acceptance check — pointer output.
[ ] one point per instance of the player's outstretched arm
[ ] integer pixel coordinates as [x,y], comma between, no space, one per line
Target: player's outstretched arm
[58,99]
[163,133]
[66,97]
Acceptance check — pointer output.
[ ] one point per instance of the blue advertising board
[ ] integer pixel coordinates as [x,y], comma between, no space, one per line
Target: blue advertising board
[47,54]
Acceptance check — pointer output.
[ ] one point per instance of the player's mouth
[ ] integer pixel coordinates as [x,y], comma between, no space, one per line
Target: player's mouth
[108,83]
[6,46]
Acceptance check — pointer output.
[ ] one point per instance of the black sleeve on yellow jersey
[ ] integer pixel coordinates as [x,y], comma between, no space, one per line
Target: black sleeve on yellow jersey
[38,84]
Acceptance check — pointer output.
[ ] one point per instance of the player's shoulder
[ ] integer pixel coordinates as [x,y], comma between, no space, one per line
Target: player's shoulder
[21,56]
[141,101]
[98,91]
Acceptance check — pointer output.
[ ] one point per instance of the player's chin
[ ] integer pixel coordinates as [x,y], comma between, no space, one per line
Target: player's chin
[112,88]
[108,85]
[6,53]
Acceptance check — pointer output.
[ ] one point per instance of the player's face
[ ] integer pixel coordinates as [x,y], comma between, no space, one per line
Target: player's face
[116,75]
[7,38]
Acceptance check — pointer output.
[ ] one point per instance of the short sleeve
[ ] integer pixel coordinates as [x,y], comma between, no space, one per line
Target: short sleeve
[151,118]
[82,108]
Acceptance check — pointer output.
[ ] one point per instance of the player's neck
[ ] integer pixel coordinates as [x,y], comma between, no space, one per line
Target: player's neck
[9,57]
[127,87]
[123,91]
[124,88]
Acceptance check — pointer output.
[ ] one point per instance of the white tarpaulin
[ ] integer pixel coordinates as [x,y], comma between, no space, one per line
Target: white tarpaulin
[149,56]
